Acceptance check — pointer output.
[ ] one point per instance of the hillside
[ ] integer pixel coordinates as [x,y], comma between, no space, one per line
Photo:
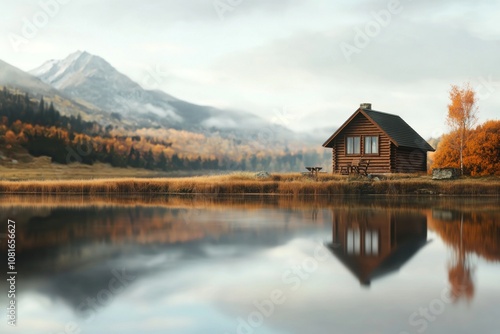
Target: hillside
[35,128]
[21,82]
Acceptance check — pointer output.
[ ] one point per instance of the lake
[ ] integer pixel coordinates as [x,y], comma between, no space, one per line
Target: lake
[252,264]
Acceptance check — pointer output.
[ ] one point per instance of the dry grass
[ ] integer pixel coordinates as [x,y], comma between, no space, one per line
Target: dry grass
[42,169]
[248,183]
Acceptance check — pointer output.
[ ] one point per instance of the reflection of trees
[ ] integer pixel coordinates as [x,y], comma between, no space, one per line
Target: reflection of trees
[461,270]
[467,234]
[480,232]
[73,249]
[180,222]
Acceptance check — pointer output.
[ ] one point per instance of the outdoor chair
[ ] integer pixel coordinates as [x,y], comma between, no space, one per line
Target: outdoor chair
[362,167]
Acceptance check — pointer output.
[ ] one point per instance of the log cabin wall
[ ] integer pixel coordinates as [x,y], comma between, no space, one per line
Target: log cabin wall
[361,126]
[366,220]
[334,159]
[394,154]
[408,160]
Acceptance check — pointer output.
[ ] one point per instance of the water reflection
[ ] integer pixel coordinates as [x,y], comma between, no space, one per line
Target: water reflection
[372,243]
[206,260]
[77,249]
[470,235]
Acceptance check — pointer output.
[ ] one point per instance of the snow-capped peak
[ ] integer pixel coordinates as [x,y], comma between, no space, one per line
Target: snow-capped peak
[72,69]
[92,79]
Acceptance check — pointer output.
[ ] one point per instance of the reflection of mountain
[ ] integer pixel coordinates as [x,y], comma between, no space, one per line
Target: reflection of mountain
[75,249]
[372,242]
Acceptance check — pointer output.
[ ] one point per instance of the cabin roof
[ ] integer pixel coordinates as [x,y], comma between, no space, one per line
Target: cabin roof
[390,263]
[400,133]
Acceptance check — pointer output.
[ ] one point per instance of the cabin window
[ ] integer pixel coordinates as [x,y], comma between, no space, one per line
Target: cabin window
[371,145]
[371,242]
[353,241]
[353,145]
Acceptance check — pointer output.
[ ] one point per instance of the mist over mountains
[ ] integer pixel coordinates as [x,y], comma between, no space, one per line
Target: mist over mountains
[87,77]
[163,132]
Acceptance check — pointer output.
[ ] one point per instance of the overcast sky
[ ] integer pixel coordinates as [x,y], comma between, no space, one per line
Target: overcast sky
[304,64]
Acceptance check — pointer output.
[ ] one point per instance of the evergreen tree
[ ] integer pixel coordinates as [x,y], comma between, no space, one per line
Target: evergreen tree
[41,112]
[162,162]
[149,161]
[131,158]
[176,162]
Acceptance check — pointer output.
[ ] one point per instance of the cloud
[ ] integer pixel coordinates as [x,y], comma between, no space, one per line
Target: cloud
[406,52]
[411,63]
[273,54]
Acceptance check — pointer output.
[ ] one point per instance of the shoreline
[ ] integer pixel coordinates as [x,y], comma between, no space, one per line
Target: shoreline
[248,184]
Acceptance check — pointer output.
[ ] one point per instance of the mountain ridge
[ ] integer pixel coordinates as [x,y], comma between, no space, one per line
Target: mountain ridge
[91,78]
[15,78]
[88,85]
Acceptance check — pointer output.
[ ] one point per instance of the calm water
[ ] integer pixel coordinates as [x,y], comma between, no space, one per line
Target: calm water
[253,265]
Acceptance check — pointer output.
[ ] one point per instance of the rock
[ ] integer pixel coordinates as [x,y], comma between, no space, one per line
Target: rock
[445,173]
[373,178]
[262,175]
[424,192]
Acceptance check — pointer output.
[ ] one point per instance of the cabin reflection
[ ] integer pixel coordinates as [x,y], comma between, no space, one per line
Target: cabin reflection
[372,243]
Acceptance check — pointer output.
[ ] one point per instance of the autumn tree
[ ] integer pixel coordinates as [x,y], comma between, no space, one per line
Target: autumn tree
[10,137]
[482,154]
[462,115]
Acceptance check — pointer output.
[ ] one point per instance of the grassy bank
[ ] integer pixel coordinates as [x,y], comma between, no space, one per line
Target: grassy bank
[248,183]
[42,168]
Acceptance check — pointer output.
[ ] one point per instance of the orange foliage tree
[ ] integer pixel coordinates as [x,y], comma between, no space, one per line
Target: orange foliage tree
[462,115]
[481,155]
[483,149]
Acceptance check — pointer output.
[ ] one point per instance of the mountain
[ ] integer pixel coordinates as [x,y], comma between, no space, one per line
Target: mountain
[88,77]
[88,86]
[15,78]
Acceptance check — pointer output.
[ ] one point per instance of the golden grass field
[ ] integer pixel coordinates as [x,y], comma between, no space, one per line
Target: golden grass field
[130,181]
[42,169]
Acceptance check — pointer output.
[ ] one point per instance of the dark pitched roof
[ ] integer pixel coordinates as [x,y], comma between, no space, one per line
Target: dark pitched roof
[394,126]
[398,256]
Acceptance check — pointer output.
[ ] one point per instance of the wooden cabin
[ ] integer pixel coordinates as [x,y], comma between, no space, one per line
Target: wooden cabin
[386,140]
[372,243]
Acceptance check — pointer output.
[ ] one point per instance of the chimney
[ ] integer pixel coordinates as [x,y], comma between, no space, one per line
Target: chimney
[365,106]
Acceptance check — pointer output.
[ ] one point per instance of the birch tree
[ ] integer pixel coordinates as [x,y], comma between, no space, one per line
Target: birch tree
[462,115]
